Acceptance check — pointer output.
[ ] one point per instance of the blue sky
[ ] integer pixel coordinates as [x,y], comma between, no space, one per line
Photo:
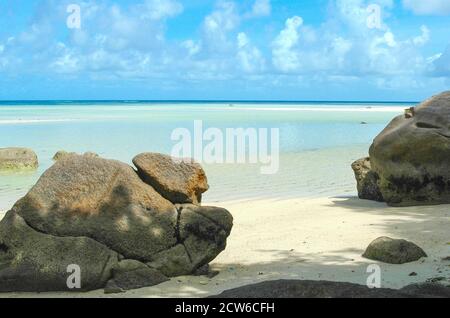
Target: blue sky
[225,50]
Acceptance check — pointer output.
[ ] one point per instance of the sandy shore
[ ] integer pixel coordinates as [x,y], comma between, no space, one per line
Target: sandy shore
[318,239]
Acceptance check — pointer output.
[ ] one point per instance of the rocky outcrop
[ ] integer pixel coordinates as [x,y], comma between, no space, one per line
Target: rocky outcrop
[17,159]
[392,251]
[104,200]
[179,181]
[411,155]
[366,180]
[104,203]
[324,289]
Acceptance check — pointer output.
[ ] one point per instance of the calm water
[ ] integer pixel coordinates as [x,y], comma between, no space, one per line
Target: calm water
[318,141]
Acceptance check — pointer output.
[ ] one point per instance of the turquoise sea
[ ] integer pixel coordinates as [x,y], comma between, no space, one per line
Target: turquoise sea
[318,141]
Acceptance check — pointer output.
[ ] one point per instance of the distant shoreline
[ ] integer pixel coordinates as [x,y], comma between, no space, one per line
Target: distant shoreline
[126,102]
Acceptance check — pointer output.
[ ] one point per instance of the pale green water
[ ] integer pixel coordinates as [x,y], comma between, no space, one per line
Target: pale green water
[318,141]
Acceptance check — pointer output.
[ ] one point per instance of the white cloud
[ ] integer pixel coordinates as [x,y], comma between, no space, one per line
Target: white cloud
[3,61]
[261,8]
[130,42]
[219,23]
[428,7]
[441,63]
[115,41]
[345,47]
[66,61]
[355,14]
[249,56]
[422,39]
[285,57]
[191,46]
[160,9]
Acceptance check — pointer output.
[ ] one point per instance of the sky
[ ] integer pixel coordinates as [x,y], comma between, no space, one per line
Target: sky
[326,50]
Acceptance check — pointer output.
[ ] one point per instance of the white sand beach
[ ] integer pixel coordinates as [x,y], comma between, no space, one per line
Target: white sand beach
[316,239]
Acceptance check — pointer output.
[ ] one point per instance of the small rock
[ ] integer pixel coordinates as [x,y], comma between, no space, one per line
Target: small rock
[391,251]
[179,181]
[367,180]
[410,112]
[18,159]
[413,274]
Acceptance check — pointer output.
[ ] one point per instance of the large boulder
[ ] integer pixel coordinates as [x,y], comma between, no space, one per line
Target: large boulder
[179,181]
[366,180]
[17,159]
[411,155]
[393,251]
[326,289]
[106,202]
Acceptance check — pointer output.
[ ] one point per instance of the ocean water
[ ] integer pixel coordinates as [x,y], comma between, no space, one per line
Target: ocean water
[318,141]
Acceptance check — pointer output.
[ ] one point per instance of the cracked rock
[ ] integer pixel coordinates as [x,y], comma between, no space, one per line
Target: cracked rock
[178,181]
[99,214]
[201,233]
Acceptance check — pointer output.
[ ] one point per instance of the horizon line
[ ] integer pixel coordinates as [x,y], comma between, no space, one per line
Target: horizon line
[196,101]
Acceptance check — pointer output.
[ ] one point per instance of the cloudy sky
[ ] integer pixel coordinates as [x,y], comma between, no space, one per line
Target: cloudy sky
[224,49]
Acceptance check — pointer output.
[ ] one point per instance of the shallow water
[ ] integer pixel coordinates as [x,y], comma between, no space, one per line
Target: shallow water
[318,142]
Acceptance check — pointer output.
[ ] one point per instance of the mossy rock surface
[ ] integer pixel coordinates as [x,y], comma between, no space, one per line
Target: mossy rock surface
[16,159]
[393,251]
